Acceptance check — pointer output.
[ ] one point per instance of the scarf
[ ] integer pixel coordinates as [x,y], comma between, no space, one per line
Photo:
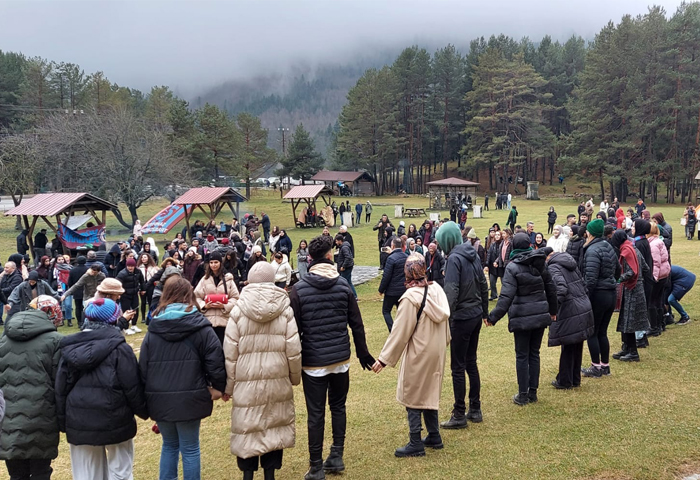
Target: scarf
[629,255]
[90,325]
[62,272]
[518,251]
[504,249]
[415,271]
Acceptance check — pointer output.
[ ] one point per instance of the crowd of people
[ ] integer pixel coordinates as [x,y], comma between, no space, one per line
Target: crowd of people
[235,326]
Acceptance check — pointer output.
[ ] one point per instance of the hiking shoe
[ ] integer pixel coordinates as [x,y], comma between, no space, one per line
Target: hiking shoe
[434,441]
[630,357]
[683,321]
[605,370]
[521,399]
[334,462]
[559,386]
[474,415]
[455,422]
[414,448]
[623,351]
[315,472]
[592,372]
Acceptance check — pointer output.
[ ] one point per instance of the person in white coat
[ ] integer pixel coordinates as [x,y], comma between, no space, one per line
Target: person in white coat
[558,241]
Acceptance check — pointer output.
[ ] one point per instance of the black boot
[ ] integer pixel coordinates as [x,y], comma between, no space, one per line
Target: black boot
[624,351]
[70,323]
[474,415]
[630,357]
[643,342]
[434,441]
[414,448]
[532,395]
[269,474]
[334,462]
[455,422]
[248,474]
[315,471]
[520,399]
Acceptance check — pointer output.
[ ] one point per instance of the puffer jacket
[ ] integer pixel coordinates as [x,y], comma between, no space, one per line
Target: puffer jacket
[86,285]
[263,361]
[133,283]
[659,255]
[465,285]
[9,282]
[206,286]
[183,342]
[574,322]
[324,306]
[528,293]
[394,278]
[682,281]
[98,388]
[575,249]
[345,257]
[29,356]
[599,266]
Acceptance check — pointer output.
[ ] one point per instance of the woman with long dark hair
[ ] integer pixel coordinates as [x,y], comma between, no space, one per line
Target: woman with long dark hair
[148,269]
[216,294]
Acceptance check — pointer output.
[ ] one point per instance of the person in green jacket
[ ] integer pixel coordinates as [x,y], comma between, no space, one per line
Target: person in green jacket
[512,218]
[29,355]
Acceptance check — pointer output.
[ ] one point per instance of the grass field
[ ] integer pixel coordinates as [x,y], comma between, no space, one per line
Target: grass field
[640,423]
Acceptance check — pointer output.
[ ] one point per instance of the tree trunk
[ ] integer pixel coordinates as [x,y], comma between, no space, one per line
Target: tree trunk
[602,185]
[17,199]
[118,215]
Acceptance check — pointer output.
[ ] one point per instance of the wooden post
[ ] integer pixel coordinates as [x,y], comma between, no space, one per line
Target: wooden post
[187,221]
[66,251]
[30,235]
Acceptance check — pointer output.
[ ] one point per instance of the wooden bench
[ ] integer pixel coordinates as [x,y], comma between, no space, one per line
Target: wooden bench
[414,212]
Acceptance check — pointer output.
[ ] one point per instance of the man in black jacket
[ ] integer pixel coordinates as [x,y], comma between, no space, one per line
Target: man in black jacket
[134,286]
[22,246]
[324,306]
[393,281]
[10,280]
[40,241]
[343,230]
[345,261]
[76,272]
[467,293]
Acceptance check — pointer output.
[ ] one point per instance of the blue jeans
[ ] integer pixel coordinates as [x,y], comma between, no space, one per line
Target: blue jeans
[180,438]
[677,305]
[347,275]
[67,307]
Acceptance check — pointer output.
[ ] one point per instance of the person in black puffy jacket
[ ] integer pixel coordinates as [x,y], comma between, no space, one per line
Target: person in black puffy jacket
[183,369]
[392,284]
[575,245]
[574,322]
[134,286]
[98,391]
[529,297]
[600,269]
[551,220]
[467,294]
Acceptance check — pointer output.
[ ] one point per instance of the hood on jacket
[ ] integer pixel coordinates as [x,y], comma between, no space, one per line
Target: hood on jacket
[564,260]
[24,326]
[86,350]
[465,250]
[263,302]
[17,258]
[175,326]
[433,309]
[115,250]
[534,258]
[322,276]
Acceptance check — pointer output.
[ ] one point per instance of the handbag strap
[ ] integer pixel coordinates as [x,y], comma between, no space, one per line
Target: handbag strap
[422,305]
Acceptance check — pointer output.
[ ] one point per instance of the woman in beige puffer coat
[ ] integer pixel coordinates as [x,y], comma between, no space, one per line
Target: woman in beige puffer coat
[263,361]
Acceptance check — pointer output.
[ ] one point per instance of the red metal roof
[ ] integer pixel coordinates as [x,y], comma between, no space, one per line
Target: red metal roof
[50,204]
[336,176]
[453,182]
[207,195]
[308,191]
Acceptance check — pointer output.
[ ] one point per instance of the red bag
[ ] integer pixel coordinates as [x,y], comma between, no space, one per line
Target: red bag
[216,298]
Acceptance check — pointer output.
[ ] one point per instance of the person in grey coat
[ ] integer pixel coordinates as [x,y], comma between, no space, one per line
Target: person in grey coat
[25,292]
[574,322]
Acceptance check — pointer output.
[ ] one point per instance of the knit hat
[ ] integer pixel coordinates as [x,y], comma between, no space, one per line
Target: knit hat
[471,234]
[255,249]
[91,255]
[49,306]
[224,241]
[402,223]
[449,236]
[216,255]
[261,272]
[33,275]
[130,262]
[111,286]
[521,241]
[81,260]
[192,249]
[596,227]
[103,310]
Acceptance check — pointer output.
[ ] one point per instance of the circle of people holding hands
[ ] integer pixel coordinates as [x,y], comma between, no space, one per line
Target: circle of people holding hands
[224,324]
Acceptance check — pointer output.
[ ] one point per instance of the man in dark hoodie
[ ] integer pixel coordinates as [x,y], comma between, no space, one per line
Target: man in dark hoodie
[324,306]
[98,391]
[529,296]
[112,261]
[467,293]
[26,291]
[22,246]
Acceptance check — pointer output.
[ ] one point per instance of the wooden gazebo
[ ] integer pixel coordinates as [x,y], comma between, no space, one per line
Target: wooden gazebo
[214,198]
[443,192]
[361,183]
[308,194]
[46,205]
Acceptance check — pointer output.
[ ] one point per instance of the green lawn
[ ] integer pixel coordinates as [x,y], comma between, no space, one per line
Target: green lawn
[640,423]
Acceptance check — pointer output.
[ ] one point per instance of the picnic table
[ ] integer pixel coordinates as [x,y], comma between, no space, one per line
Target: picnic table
[414,212]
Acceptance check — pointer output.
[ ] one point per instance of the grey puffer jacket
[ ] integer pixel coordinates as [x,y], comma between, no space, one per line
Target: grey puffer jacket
[528,293]
[599,266]
[575,315]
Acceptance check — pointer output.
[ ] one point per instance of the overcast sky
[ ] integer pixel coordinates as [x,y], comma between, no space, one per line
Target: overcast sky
[193,44]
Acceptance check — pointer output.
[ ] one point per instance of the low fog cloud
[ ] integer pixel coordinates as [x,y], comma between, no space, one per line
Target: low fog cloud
[190,45]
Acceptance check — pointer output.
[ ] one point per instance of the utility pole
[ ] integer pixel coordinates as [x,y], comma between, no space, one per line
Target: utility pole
[284,152]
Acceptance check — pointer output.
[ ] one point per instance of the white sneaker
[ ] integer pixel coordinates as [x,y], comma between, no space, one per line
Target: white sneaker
[136,329]
[129,331]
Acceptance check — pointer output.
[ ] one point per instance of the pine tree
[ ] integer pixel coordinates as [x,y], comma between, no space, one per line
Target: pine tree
[302,160]
[254,153]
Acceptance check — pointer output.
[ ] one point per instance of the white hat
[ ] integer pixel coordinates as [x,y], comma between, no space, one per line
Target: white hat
[402,223]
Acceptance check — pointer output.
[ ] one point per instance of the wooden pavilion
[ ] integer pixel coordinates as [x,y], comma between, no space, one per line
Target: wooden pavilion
[361,183]
[45,205]
[214,198]
[308,194]
[443,192]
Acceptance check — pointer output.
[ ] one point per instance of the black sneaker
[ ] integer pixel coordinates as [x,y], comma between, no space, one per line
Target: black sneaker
[668,318]
[630,357]
[605,370]
[592,372]
[455,422]
[559,386]
[521,399]
[624,351]
[683,321]
[474,415]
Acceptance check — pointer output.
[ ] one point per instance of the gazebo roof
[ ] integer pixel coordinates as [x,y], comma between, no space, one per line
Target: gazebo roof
[50,204]
[308,191]
[340,176]
[452,182]
[209,195]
